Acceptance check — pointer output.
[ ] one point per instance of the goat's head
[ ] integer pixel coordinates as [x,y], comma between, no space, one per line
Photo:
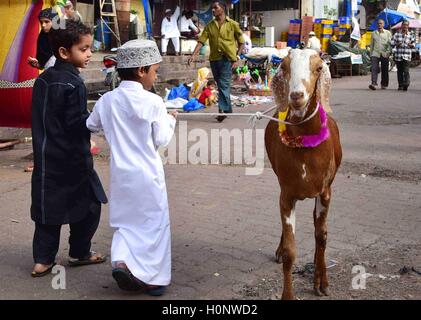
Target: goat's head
[301,74]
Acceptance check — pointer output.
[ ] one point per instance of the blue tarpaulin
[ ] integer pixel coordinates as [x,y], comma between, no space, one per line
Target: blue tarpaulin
[390,17]
[148,17]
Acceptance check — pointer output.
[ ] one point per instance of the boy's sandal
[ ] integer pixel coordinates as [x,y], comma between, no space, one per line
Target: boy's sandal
[126,280]
[35,274]
[155,291]
[94,258]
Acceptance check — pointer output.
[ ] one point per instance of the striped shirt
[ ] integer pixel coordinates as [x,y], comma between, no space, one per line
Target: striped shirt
[404,52]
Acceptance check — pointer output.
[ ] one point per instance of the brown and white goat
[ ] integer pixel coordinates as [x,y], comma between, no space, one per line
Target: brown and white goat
[302,81]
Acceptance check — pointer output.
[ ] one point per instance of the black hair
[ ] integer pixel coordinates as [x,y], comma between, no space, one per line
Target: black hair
[189,14]
[211,83]
[405,21]
[129,74]
[67,34]
[221,3]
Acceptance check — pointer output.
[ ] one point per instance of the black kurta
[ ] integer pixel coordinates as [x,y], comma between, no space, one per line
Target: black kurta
[63,173]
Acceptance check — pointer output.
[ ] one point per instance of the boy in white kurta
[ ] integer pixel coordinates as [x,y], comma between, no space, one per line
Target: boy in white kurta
[135,122]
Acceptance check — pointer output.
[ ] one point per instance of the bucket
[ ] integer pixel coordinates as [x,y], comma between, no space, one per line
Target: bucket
[102,28]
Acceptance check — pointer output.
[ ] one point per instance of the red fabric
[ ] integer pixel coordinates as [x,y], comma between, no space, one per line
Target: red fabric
[206,93]
[15,103]
[29,45]
[15,107]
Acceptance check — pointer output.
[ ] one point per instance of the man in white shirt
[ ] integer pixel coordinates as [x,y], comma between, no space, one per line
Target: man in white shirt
[313,42]
[169,30]
[187,27]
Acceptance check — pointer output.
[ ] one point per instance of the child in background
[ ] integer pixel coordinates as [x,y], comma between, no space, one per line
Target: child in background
[208,97]
[136,123]
[45,56]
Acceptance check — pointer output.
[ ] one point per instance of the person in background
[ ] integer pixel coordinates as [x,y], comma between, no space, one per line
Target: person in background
[226,43]
[70,13]
[187,28]
[313,42]
[403,43]
[381,49]
[169,30]
[207,97]
[45,57]
[248,45]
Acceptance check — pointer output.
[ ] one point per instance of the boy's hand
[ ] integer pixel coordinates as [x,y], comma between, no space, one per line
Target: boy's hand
[174,114]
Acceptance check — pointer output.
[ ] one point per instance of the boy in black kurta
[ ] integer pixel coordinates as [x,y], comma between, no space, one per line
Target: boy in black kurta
[65,187]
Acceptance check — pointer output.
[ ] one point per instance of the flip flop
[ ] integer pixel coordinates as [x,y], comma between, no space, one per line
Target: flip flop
[86,261]
[126,281]
[35,274]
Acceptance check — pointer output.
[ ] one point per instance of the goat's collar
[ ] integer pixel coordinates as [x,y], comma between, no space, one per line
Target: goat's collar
[306,141]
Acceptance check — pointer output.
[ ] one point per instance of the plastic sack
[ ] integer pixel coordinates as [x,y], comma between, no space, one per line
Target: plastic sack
[193,105]
[179,92]
[177,103]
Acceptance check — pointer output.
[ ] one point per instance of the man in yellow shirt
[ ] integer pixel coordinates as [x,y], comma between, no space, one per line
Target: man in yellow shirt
[226,44]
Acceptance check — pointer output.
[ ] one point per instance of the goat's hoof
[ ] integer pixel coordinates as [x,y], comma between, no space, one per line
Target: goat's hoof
[288,297]
[320,292]
[325,291]
[317,292]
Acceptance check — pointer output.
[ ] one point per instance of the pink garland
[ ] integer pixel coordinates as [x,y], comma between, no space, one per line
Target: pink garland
[309,141]
[312,141]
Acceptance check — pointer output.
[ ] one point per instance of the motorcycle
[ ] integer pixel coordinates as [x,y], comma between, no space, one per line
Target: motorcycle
[112,79]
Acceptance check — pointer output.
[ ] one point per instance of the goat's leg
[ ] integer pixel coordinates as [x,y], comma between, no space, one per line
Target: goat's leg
[287,244]
[321,285]
[279,251]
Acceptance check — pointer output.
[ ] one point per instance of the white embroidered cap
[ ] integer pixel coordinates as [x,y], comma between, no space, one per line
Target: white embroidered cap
[138,53]
[168,11]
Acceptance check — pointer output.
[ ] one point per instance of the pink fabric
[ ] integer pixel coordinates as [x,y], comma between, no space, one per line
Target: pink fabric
[311,141]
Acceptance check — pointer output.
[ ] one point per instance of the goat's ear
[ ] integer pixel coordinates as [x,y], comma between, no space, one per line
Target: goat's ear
[324,87]
[279,89]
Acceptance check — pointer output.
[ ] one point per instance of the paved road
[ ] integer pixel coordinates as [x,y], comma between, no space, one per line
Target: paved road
[225,224]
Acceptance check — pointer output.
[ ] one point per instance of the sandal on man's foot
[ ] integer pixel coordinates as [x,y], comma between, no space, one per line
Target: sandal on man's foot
[156,291]
[36,274]
[126,281]
[94,258]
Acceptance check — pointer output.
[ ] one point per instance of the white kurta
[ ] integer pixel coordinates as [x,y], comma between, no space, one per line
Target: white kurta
[136,123]
[169,29]
[186,25]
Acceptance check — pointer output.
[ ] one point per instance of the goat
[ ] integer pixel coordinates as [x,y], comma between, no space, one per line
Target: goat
[305,156]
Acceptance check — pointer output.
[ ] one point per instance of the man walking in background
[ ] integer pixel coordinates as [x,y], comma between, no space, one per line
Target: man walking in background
[226,44]
[403,43]
[380,51]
